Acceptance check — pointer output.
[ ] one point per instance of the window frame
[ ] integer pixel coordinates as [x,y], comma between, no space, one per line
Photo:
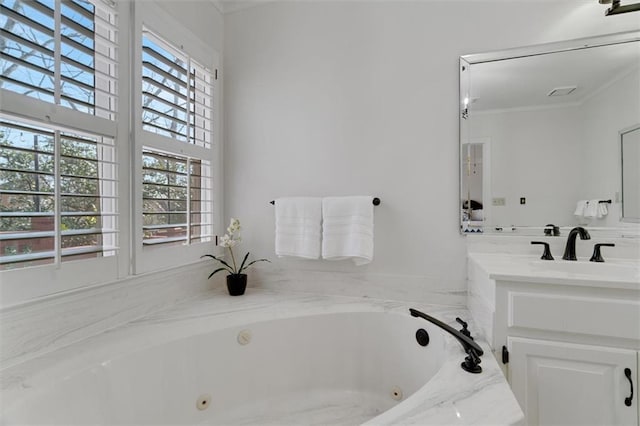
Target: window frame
[23,284]
[146,258]
[20,286]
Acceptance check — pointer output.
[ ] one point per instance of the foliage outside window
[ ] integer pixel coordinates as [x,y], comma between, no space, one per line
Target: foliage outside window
[176,195]
[58,195]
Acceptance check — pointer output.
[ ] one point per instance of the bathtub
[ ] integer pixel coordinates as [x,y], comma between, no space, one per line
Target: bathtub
[338,368]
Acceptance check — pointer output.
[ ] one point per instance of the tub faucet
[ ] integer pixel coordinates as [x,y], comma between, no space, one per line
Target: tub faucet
[473,350]
[570,248]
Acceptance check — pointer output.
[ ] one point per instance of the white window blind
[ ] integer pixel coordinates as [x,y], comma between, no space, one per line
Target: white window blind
[177,93]
[176,199]
[58,198]
[62,52]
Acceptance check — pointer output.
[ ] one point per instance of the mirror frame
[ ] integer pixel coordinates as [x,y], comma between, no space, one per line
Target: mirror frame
[466,61]
[621,134]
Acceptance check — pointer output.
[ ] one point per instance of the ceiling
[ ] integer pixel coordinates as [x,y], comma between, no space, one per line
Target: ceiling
[525,82]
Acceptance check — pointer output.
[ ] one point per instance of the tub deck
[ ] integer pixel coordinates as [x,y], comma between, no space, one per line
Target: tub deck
[452,396]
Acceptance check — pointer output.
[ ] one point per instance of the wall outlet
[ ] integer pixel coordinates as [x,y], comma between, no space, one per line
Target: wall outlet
[498,201]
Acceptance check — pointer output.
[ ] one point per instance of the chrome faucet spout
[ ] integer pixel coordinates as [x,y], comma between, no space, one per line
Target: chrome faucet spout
[570,248]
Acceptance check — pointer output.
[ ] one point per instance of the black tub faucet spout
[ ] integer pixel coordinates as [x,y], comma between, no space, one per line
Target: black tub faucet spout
[570,248]
[473,350]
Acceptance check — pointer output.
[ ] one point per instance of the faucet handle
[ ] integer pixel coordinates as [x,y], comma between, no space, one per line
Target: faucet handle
[464,329]
[546,255]
[597,256]
[552,230]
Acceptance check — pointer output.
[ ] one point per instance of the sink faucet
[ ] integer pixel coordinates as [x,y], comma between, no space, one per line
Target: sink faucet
[472,349]
[570,248]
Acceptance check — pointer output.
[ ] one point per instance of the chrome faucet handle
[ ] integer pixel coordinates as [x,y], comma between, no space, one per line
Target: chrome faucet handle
[597,256]
[546,255]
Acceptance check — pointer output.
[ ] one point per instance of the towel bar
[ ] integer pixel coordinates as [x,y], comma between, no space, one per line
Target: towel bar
[376,201]
[604,201]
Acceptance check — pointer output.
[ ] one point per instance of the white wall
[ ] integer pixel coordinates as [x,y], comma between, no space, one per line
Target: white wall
[529,147]
[335,98]
[200,16]
[612,109]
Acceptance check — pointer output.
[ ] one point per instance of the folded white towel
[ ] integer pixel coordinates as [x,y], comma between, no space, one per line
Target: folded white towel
[581,206]
[347,230]
[591,211]
[298,227]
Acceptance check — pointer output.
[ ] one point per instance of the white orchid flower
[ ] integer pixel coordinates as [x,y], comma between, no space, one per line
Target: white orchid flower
[234,226]
[227,241]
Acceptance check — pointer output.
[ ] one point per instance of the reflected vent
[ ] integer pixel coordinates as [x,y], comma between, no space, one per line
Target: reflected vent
[562,91]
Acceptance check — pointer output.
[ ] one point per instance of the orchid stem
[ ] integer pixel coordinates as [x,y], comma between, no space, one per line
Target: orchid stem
[235,268]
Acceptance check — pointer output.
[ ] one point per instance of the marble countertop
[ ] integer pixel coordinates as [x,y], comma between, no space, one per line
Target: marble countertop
[452,396]
[614,273]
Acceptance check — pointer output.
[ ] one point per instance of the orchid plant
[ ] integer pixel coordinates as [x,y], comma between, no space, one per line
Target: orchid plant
[229,241]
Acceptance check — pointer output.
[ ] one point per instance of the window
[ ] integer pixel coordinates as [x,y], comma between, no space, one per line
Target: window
[174,137]
[176,194]
[61,52]
[176,93]
[58,166]
[71,161]
[58,195]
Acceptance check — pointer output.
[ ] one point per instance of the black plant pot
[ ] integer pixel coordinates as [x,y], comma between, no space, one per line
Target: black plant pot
[236,284]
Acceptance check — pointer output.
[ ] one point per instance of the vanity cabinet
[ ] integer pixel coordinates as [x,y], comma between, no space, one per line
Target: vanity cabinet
[558,383]
[564,340]
[568,346]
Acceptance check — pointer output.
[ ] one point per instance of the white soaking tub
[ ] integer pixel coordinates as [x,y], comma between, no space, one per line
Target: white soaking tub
[339,368]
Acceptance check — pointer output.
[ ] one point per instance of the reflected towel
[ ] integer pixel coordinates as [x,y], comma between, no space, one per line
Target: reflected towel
[581,206]
[298,227]
[602,210]
[591,211]
[347,230]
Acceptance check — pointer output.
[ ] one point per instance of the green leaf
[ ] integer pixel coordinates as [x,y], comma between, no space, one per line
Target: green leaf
[218,259]
[243,262]
[216,271]
[259,260]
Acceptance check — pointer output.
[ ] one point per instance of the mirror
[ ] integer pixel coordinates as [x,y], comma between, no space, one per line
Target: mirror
[539,136]
[630,150]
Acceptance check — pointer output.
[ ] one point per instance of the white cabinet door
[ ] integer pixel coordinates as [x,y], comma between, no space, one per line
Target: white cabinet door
[560,383]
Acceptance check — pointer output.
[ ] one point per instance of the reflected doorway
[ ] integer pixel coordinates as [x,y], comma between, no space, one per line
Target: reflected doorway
[475,184]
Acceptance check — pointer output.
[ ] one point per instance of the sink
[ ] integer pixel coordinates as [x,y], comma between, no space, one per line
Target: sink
[607,270]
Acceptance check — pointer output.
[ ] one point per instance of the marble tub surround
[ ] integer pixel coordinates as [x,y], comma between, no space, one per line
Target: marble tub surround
[415,288]
[451,397]
[43,325]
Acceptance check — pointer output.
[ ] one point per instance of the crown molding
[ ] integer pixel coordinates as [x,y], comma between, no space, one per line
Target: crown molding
[226,7]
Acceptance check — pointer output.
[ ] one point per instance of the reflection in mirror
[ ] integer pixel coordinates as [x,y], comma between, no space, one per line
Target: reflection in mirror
[630,149]
[553,115]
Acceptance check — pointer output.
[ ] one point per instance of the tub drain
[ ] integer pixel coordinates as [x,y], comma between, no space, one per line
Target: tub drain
[203,402]
[396,393]
[244,337]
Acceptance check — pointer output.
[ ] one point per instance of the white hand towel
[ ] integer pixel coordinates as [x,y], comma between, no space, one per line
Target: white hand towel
[581,206]
[298,227]
[347,229]
[591,211]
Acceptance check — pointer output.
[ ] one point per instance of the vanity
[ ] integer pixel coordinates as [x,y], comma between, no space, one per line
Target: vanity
[549,141]
[566,334]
